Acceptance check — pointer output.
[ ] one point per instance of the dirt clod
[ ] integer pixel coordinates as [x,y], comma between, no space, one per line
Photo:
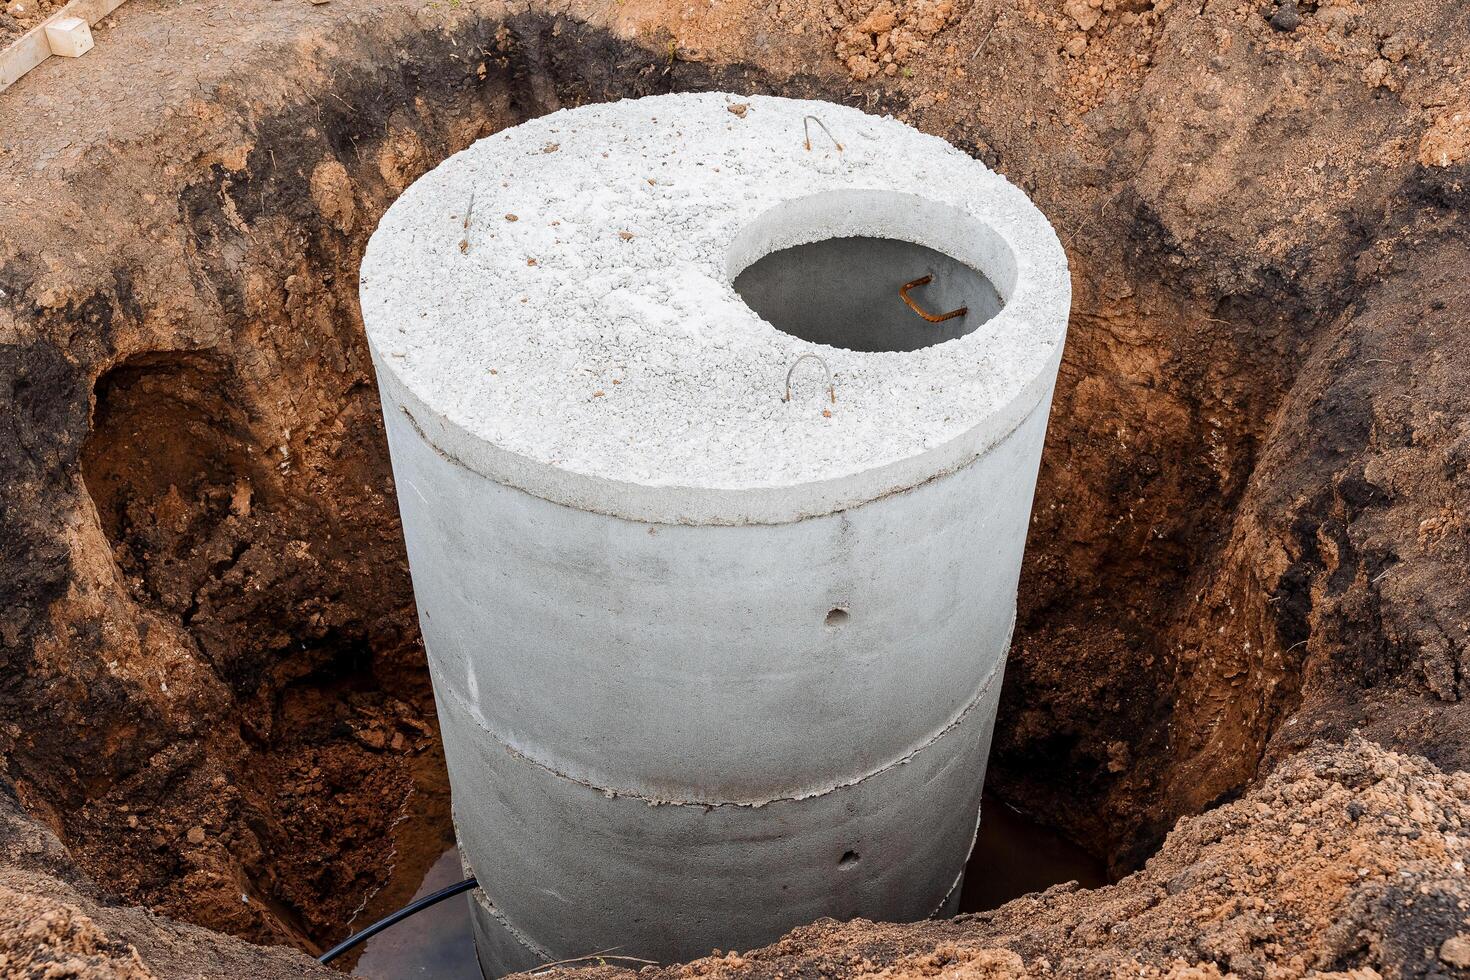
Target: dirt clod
[1447,141]
[41,938]
[1286,17]
[1456,951]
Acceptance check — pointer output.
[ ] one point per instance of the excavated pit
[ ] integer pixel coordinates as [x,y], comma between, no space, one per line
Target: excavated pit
[237,727]
[275,556]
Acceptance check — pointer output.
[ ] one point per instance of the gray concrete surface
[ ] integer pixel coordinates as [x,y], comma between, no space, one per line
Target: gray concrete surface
[687,707]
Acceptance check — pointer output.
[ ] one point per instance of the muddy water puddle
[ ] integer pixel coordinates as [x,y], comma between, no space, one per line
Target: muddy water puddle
[436,944]
[1013,855]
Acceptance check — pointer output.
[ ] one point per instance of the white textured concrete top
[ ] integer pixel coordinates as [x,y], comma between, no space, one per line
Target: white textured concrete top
[553,308]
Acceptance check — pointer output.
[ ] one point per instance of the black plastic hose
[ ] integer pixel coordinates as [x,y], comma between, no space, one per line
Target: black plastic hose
[413,908]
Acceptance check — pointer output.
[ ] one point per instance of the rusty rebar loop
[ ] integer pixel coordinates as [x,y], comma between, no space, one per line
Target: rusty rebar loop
[806,129]
[903,293]
[831,389]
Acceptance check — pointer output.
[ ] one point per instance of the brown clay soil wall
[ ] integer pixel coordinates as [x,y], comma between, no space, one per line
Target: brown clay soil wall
[1249,531]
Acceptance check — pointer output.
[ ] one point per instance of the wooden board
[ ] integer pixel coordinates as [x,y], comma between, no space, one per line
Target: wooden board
[31,48]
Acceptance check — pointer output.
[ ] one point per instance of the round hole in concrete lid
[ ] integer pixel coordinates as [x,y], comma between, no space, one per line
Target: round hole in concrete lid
[631,378]
[868,294]
[873,271]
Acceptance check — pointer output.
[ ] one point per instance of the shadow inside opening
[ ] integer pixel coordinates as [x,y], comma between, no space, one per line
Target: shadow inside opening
[844,292]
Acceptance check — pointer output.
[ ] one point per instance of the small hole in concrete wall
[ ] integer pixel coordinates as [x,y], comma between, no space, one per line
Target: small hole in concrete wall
[848,860]
[843,292]
[837,617]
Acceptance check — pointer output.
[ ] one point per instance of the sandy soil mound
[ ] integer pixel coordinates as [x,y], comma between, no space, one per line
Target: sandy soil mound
[1348,862]
[57,925]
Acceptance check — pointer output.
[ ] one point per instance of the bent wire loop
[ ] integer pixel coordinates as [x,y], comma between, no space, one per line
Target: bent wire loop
[903,292]
[831,391]
[806,129]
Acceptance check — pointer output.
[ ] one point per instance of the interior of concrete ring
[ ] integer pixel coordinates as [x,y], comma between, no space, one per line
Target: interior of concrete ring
[844,292]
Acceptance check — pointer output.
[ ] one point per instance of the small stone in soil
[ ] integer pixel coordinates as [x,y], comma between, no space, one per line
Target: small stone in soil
[1456,950]
[1287,18]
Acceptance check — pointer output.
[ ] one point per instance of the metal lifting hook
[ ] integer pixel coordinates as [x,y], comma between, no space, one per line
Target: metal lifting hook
[831,391]
[903,292]
[806,128]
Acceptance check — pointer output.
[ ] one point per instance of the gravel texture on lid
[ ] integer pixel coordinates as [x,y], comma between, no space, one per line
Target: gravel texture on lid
[552,308]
